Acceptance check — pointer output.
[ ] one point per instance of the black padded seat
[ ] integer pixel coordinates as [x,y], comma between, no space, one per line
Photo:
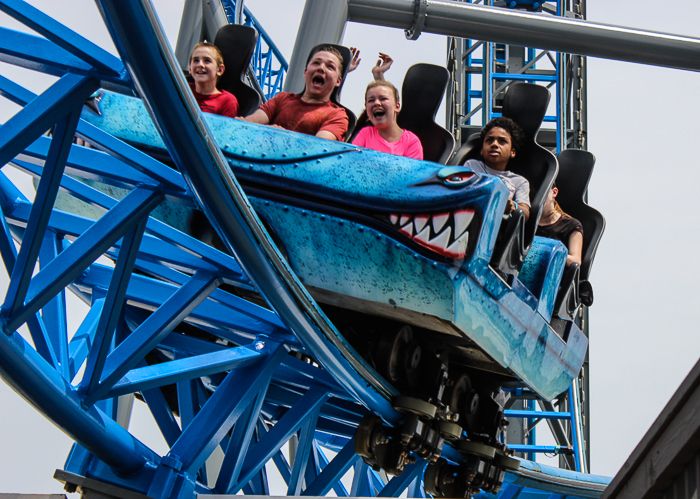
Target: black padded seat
[575,170]
[526,104]
[335,96]
[237,44]
[421,94]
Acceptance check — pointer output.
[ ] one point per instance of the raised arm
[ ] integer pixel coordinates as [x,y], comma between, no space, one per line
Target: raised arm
[383,64]
[355,60]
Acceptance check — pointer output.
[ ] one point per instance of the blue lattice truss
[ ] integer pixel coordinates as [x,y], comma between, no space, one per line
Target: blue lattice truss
[268,64]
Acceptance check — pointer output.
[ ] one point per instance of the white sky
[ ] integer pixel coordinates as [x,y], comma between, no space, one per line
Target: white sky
[643,339]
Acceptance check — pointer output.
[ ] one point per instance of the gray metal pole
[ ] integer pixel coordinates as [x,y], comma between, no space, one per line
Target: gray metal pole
[323,21]
[200,21]
[449,17]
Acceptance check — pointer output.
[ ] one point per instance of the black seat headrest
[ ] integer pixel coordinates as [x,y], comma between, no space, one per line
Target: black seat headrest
[237,44]
[526,104]
[422,92]
[575,170]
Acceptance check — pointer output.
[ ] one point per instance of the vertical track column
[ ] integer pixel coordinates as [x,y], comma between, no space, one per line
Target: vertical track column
[323,21]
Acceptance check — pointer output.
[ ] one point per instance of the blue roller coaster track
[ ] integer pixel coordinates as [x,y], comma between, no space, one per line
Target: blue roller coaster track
[232,355]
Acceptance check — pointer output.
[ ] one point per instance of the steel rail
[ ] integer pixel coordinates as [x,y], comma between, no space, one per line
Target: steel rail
[515,27]
[142,44]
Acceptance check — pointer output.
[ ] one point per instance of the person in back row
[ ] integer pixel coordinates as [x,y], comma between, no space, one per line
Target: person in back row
[311,112]
[555,224]
[206,67]
[501,138]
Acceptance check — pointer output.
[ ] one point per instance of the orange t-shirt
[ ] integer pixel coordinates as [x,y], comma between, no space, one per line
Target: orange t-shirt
[290,112]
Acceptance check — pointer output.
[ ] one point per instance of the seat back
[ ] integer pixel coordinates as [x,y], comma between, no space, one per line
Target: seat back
[526,104]
[422,92]
[575,169]
[335,96]
[471,149]
[237,44]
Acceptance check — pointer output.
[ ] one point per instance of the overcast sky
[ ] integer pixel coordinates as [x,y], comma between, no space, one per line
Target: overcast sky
[643,335]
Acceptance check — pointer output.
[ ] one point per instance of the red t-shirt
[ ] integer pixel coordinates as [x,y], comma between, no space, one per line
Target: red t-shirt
[224,104]
[290,112]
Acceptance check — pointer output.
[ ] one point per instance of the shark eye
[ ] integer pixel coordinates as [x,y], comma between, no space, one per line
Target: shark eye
[459,178]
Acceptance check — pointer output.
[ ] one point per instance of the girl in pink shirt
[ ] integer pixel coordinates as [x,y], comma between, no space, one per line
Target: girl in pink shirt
[382,106]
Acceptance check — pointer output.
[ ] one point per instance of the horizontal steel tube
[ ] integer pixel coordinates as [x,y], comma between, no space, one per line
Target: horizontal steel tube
[448,17]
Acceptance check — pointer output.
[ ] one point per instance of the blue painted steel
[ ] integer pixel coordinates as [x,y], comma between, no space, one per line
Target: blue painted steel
[146,378]
[334,471]
[149,334]
[251,385]
[399,483]
[63,37]
[537,414]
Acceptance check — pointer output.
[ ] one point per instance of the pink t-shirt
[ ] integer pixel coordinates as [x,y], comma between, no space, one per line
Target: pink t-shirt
[408,145]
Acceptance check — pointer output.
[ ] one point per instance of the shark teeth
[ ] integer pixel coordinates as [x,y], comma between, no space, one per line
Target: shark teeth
[462,220]
[419,222]
[424,236]
[459,247]
[439,221]
[444,233]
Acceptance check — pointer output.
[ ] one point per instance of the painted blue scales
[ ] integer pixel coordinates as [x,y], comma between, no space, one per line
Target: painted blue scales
[352,223]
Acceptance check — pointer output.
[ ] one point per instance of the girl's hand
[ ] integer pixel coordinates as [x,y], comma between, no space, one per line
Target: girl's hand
[383,64]
[355,60]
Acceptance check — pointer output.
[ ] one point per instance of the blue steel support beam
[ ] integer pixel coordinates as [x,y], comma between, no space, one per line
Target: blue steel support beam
[271,442]
[163,415]
[85,250]
[397,484]
[142,44]
[301,459]
[43,112]
[79,346]
[55,312]
[41,211]
[141,341]
[238,445]
[40,337]
[38,54]
[334,471]
[112,310]
[63,37]
[149,377]
[15,93]
[223,409]
[30,376]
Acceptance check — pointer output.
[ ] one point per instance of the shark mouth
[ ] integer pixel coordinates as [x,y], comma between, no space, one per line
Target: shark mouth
[444,233]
